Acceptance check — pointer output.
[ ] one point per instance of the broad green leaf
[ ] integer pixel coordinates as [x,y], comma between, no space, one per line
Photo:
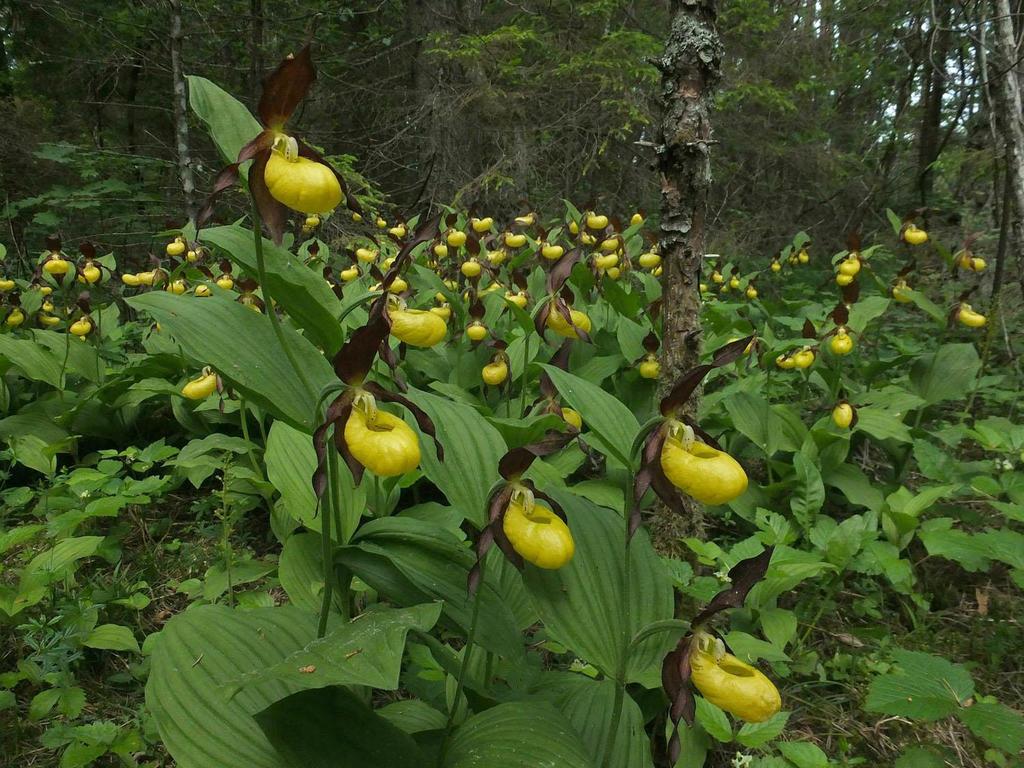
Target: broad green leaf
[942,540]
[333,728]
[753,418]
[581,604]
[882,424]
[424,563]
[946,374]
[588,705]
[241,346]
[759,734]
[413,716]
[612,424]
[517,735]
[855,486]
[713,720]
[803,754]
[112,637]
[996,724]
[51,564]
[308,299]
[472,450]
[864,311]
[291,462]
[924,687]
[32,360]
[364,651]
[301,571]
[198,653]
[230,124]
[750,649]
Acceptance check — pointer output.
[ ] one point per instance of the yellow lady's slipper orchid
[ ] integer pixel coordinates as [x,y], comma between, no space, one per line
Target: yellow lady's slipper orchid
[707,474]
[302,184]
[730,684]
[494,374]
[201,387]
[81,327]
[559,325]
[572,417]
[417,327]
[841,343]
[914,236]
[539,535]
[842,415]
[381,442]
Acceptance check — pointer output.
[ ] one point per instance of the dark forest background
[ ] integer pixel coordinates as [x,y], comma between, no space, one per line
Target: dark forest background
[830,111]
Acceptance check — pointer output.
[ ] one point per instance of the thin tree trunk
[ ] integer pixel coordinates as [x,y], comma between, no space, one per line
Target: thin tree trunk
[188,184]
[1008,102]
[691,68]
[256,45]
[933,88]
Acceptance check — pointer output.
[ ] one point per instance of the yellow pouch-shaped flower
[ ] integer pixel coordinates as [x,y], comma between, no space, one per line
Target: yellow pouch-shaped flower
[708,475]
[302,184]
[732,685]
[200,388]
[540,537]
[384,444]
[417,327]
[558,324]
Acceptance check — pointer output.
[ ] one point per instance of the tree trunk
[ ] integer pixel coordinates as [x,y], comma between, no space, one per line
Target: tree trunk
[188,184]
[691,68]
[256,45]
[1008,103]
[933,87]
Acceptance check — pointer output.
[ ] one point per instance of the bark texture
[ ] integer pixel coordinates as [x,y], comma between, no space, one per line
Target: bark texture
[1008,102]
[181,138]
[691,69]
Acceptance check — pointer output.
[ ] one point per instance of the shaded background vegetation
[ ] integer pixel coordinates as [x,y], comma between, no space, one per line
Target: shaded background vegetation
[830,110]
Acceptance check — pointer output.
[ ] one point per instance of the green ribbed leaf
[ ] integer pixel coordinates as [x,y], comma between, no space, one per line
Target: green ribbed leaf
[302,292]
[364,651]
[230,124]
[424,562]
[332,728]
[243,349]
[291,462]
[517,735]
[472,450]
[200,651]
[32,361]
[588,705]
[581,604]
[301,572]
[611,424]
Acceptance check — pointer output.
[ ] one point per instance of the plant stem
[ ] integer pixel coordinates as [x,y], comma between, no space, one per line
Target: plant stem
[620,675]
[275,321]
[466,653]
[326,551]
[245,434]
[334,489]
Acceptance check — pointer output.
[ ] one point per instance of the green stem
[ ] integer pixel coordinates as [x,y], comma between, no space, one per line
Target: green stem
[523,384]
[620,675]
[275,321]
[245,434]
[335,491]
[466,654]
[326,551]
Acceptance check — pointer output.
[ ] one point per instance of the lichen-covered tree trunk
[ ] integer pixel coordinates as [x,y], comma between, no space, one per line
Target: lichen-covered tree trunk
[691,69]
[181,140]
[1008,100]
